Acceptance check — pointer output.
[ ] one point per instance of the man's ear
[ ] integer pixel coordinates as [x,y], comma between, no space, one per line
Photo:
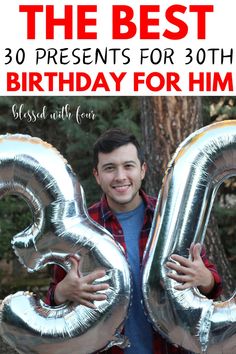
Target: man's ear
[143,170]
[95,173]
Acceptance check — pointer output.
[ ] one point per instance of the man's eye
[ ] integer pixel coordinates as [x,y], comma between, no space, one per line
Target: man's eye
[109,168]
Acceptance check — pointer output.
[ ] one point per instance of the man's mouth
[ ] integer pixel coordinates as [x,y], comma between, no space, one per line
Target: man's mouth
[121,188]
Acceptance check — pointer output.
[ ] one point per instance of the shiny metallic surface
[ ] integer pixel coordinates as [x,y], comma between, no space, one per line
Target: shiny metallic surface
[36,171]
[201,163]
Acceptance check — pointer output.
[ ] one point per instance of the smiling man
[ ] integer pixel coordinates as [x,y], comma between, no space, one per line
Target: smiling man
[127,212]
[120,174]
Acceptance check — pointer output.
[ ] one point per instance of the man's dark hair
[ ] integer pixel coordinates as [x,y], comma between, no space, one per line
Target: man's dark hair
[113,139]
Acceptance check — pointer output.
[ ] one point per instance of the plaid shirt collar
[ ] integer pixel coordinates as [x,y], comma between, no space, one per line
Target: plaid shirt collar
[106,212]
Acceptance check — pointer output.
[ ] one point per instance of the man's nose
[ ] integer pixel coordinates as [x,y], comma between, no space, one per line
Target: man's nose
[120,174]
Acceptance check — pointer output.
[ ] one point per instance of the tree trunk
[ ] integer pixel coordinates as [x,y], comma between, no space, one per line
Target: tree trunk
[165,123]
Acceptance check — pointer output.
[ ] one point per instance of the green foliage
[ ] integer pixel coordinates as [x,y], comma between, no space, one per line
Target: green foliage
[15,216]
[218,109]
[227,228]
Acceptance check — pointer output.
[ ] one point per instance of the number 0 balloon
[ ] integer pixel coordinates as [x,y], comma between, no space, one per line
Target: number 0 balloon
[37,172]
[198,168]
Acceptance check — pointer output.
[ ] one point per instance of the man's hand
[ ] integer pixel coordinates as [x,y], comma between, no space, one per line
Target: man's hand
[191,273]
[80,289]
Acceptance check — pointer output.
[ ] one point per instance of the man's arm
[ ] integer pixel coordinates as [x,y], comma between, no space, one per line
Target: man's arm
[195,272]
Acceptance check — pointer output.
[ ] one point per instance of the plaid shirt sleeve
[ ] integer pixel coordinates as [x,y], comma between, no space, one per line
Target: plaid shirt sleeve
[57,276]
[217,289]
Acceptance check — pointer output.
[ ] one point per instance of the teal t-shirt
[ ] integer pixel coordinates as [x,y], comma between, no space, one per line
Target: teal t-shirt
[137,328]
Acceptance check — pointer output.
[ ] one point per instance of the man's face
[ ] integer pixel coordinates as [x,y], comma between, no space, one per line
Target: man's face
[120,174]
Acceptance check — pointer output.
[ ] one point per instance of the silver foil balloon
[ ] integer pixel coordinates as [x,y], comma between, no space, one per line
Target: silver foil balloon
[61,226]
[201,163]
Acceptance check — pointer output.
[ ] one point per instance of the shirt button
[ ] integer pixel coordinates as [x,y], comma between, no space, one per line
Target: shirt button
[119,232]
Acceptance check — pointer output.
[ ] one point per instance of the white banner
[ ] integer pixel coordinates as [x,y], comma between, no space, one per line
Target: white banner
[117,47]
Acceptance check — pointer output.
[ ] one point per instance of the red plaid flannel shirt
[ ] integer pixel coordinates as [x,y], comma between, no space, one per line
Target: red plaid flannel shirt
[101,213]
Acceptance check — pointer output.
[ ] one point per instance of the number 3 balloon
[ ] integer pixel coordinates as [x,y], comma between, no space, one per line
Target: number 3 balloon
[197,169]
[61,226]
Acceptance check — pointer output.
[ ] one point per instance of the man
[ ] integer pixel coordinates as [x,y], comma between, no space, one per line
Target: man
[127,212]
